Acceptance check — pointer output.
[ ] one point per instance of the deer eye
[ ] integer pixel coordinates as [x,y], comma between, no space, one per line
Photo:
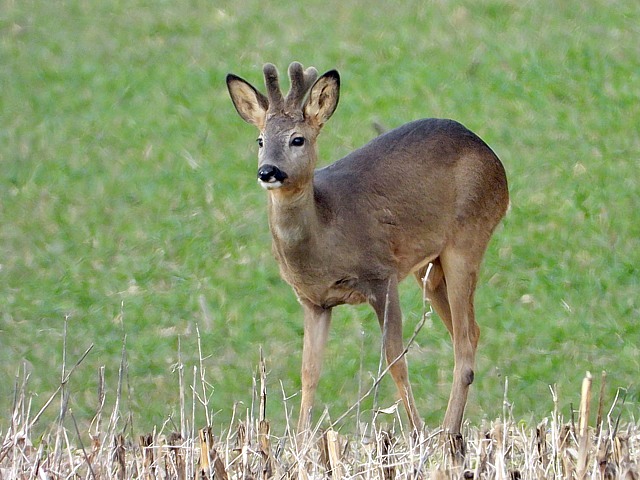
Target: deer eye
[297,141]
[260,142]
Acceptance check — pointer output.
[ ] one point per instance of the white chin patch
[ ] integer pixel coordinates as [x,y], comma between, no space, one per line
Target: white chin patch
[271,185]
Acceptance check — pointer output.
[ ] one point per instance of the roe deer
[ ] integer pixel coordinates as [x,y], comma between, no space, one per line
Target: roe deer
[430,191]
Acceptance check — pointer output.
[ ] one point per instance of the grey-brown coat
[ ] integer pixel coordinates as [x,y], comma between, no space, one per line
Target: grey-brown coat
[430,191]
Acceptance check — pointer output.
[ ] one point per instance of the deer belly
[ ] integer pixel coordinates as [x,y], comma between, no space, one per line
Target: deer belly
[339,292]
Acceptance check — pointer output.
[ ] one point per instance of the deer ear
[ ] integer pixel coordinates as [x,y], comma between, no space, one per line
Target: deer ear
[323,98]
[249,102]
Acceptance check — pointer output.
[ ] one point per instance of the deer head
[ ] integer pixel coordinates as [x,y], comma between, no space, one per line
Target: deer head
[288,125]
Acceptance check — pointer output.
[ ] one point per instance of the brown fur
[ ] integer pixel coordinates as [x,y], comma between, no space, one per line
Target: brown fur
[429,191]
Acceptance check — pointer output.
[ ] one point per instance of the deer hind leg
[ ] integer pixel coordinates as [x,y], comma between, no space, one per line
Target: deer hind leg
[386,304]
[460,269]
[435,289]
[316,330]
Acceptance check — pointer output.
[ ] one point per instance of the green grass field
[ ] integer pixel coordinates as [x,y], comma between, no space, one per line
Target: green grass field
[128,201]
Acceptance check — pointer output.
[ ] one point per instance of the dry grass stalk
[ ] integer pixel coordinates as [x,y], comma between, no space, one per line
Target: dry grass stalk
[335,454]
[206,444]
[393,457]
[218,466]
[175,466]
[211,465]
[505,449]
[603,381]
[583,435]
[386,449]
[148,460]
[118,458]
[264,443]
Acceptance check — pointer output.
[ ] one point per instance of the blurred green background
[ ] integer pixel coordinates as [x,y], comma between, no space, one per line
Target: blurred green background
[129,207]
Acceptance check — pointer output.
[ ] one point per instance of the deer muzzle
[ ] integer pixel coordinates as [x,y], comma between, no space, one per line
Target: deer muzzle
[270,176]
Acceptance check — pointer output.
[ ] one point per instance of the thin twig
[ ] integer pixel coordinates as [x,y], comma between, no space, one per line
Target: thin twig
[204,400]
[381,375]
[377,381]
[84,452]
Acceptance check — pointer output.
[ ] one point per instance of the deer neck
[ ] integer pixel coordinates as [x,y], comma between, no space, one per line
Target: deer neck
[293,220]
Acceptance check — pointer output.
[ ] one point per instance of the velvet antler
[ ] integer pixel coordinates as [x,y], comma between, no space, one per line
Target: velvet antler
[301,81]
[276,101]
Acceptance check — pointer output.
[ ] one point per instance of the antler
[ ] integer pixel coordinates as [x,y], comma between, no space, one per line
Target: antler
[301,81]
[276,102]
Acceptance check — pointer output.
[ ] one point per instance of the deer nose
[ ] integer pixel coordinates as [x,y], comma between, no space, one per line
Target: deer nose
[271,174]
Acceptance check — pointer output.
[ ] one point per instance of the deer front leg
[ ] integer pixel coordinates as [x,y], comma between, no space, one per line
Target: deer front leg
[316,330]
[386,304]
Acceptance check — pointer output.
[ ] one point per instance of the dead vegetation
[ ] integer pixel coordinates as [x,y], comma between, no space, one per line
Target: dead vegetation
[504,449]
